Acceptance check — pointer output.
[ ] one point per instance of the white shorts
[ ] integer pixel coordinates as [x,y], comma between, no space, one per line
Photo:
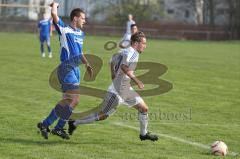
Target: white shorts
[112,100]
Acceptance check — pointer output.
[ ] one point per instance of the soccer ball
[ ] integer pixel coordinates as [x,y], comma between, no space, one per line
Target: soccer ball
[219,148]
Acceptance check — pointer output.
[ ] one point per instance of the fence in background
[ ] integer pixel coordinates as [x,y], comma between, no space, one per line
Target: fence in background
[162,31]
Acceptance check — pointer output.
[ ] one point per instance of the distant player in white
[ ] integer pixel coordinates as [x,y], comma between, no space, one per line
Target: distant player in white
[129,23]
[120,91]
[128,27]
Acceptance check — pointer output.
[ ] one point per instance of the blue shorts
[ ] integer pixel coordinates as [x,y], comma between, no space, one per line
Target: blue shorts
[71,80]
[45,38]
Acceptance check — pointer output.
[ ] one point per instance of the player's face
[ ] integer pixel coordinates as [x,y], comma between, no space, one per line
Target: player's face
[81,20]
[141,45]
[134,29]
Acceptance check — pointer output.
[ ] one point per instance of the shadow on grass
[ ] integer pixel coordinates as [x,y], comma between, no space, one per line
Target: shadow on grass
[52,142]
[26,141]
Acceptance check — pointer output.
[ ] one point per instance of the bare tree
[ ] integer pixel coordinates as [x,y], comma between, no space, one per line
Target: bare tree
[234,18]
[116,11]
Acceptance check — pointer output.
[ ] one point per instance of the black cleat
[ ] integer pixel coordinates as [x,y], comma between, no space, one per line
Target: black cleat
[61,133]
[149,136]
[71,127]
[44,130]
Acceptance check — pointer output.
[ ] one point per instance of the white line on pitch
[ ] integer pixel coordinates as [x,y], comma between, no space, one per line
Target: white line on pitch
[175,138]
[199,124]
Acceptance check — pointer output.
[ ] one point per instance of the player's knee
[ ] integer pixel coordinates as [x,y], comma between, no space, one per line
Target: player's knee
[75,101]
[145,109]
[70,100]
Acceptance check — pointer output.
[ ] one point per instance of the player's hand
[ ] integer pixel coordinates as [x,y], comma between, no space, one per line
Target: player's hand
[54,4]
[89,70]
[140,84]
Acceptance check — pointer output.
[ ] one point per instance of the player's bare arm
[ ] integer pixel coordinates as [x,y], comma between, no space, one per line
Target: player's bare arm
[54,13]
[87,65]
[131,75]
[112,70]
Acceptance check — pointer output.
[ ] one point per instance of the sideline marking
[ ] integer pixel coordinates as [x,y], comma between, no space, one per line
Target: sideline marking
[235,154]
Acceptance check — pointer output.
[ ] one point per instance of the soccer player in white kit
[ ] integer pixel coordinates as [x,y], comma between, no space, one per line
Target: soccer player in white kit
[126,41]
[128,27]
[120,91]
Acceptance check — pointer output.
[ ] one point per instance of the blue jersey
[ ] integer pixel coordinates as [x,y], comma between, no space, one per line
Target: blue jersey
[45,27]
[71,41]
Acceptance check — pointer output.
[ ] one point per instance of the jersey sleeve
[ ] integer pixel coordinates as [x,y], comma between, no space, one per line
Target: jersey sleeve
[59,26]
[129,59]
[125,59]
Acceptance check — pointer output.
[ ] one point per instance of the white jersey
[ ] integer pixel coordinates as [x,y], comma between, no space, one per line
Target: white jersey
[127,35]
[129,23]
[121,83]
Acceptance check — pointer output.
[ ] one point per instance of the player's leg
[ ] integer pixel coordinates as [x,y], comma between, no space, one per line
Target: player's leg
[64,108]
[62,111]
[49,120]
[142,116]
[49,47]
[132,98]
[42,45]
[107,107]
[143,121]
[70,85]
[66,105]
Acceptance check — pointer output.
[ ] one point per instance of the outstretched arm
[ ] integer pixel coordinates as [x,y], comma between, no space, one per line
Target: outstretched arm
[54,13]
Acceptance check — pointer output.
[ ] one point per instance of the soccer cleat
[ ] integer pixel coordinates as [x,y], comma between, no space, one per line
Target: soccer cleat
[149,136]
[61,133]
[71,127]
[44,130]
[50,55]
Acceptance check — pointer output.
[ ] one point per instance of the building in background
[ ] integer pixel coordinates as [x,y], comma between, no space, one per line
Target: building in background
[195,11]
[184,11]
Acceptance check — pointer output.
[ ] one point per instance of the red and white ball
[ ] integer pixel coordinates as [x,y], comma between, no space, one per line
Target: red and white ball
[219,148]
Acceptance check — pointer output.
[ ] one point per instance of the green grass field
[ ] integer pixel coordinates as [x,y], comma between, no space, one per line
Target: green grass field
[206,92]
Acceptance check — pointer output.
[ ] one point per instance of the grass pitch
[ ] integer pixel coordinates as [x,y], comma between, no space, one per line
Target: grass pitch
[202,106]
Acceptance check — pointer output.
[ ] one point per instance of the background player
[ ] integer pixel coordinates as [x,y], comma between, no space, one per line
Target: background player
[45,31]
[127,41]
[71,41]
[120,91]
[128,26]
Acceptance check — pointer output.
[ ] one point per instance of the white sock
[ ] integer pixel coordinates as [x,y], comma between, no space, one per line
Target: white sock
[50,55]
[143,120]
[89,119]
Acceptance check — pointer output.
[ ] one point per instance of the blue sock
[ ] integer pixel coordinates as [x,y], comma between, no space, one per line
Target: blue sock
[63,112]
[49,48]
[51,118]
[61,123]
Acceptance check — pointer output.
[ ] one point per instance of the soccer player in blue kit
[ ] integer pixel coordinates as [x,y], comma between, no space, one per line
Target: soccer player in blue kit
[45,31]
[71,41]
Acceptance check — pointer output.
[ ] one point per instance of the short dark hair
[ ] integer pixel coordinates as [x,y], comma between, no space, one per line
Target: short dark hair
[133,25]
[76,13]
[137,37]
